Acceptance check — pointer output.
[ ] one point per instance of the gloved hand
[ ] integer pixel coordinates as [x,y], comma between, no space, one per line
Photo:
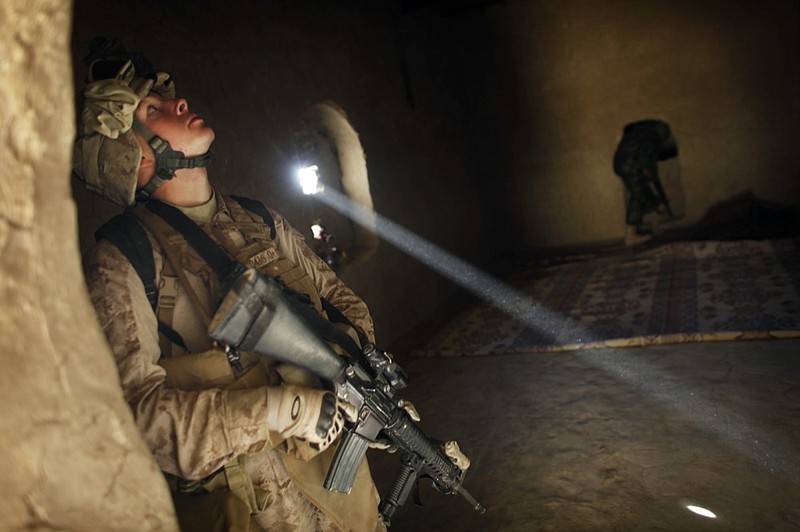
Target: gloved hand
[313,415]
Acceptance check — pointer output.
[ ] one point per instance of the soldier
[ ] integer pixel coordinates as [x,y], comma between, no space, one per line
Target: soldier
[243,446]
[643,144]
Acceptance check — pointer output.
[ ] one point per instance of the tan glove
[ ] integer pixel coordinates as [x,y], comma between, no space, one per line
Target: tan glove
[307,413]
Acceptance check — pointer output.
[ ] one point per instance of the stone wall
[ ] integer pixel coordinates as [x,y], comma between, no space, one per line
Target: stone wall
[71,456]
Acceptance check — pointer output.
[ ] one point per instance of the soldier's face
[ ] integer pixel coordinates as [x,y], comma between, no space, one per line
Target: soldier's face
[172,121]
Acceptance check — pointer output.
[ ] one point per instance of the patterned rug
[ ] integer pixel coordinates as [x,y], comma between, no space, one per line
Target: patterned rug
[678,292]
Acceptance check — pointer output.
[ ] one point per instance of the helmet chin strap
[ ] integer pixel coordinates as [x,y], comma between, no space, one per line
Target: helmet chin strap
[167,161]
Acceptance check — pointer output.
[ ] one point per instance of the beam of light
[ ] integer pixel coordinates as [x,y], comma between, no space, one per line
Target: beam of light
[460,272]
[699,510]
[728,426]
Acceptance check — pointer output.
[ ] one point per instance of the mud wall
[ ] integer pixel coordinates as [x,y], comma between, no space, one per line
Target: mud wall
[550,86]
[70,454]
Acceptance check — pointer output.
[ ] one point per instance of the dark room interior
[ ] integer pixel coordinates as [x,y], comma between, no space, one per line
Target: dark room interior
[602,368]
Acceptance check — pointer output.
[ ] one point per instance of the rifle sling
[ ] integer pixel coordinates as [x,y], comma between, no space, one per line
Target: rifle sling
[226,268]
[172,256]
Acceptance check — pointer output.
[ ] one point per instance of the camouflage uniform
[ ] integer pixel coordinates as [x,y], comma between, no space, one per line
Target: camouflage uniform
[195,411]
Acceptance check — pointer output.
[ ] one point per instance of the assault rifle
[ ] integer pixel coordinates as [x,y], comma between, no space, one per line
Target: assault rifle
[258,315]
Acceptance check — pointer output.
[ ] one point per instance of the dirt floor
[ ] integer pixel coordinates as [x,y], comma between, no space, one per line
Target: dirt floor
[614,439]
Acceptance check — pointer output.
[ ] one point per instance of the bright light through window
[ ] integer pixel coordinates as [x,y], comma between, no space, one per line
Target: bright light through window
[309,179]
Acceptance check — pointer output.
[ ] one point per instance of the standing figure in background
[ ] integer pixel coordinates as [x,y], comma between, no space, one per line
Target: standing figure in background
[643,145]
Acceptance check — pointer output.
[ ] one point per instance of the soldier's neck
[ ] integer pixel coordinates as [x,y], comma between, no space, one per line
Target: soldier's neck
[189,188]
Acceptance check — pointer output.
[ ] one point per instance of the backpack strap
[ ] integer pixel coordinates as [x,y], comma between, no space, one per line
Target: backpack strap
[126,233]
[256,207]
[226,268]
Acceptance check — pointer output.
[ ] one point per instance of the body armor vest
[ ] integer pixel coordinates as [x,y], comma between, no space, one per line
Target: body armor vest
[246,238]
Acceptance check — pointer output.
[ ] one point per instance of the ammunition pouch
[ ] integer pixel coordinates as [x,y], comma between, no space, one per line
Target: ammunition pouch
[225,500]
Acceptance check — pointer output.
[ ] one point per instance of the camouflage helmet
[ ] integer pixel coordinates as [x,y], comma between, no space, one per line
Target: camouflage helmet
[107,154]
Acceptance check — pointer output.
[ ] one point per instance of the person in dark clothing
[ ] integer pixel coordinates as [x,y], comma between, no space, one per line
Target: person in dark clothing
[644,143]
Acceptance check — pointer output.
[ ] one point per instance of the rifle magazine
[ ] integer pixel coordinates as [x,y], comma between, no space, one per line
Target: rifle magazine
[344,467]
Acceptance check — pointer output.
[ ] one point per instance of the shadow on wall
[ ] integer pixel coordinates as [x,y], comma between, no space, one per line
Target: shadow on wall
[744,216]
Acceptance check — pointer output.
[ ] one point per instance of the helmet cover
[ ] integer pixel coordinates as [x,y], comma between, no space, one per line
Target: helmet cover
[107,154]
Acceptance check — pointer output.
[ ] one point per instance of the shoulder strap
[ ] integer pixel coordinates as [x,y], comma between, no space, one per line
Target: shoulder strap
[226,268]
[256,207]
[128,235]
